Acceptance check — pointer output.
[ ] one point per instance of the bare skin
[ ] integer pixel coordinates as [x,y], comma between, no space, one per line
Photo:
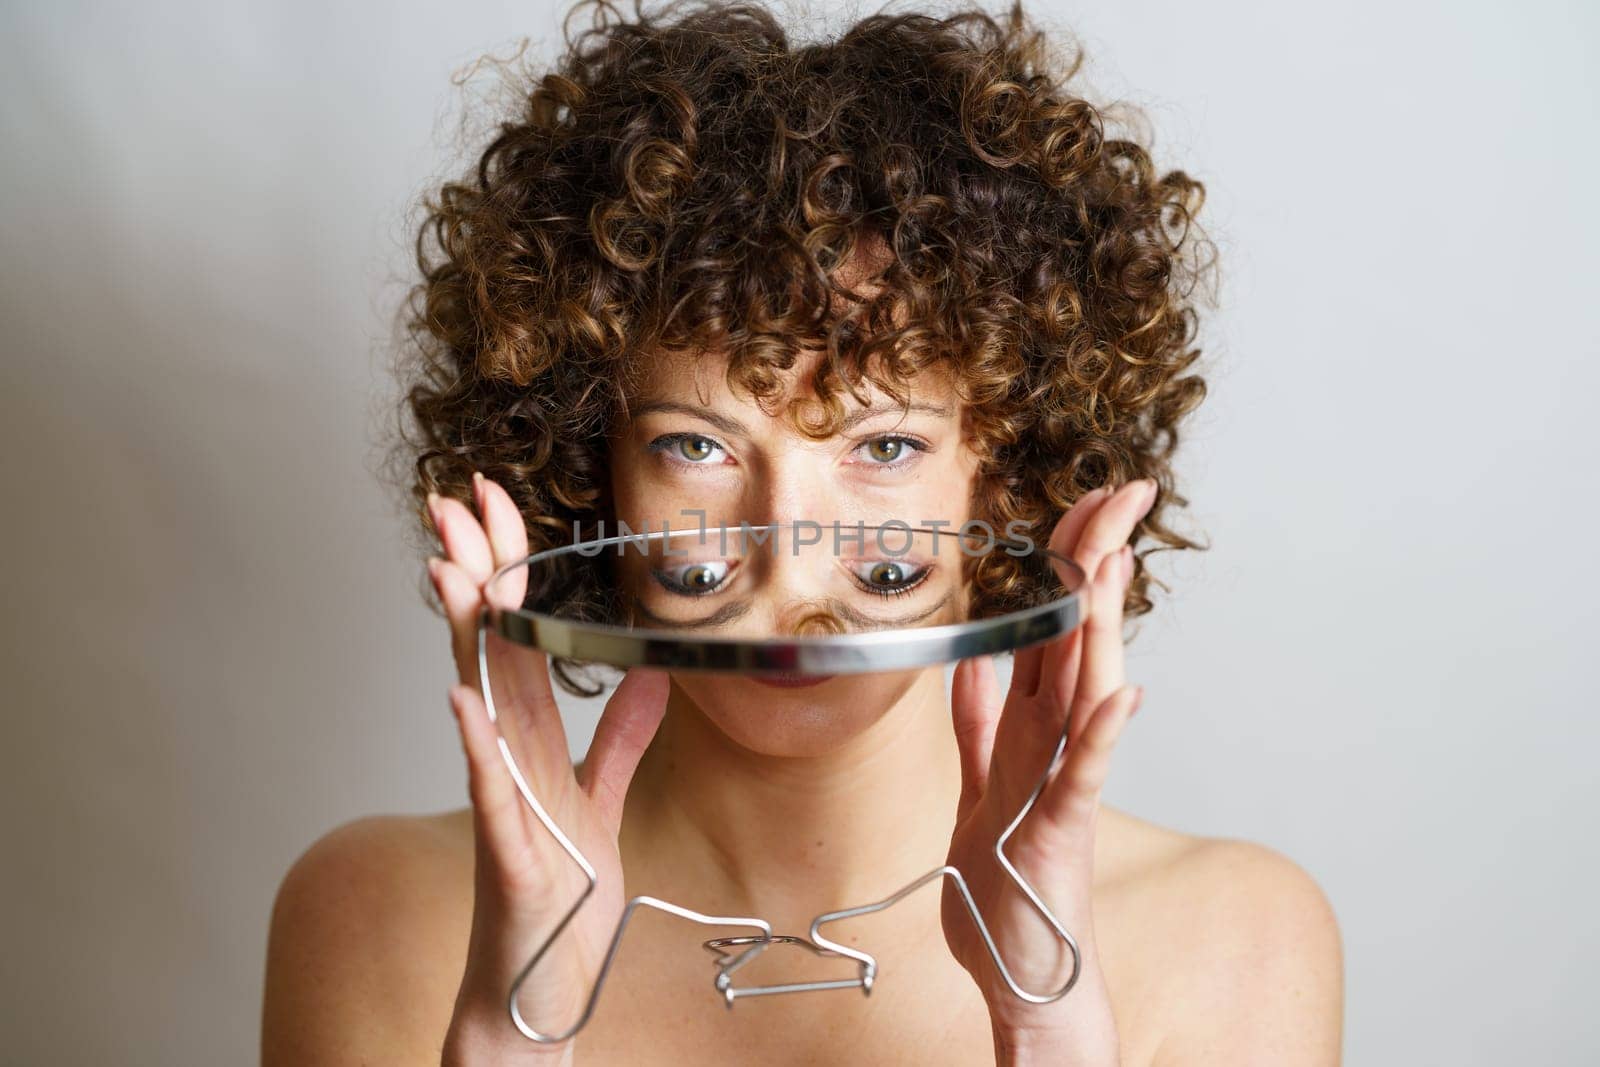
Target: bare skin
[392,937]
[1215,952]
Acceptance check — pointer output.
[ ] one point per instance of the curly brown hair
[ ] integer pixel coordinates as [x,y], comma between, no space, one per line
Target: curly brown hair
[685,180]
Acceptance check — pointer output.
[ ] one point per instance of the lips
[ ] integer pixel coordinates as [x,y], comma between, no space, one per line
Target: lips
[791,681]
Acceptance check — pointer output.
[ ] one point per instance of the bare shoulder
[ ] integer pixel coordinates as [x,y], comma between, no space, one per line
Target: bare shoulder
[368,939]
[1251,962]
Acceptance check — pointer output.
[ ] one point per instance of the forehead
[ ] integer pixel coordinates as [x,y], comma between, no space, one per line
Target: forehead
[703,379]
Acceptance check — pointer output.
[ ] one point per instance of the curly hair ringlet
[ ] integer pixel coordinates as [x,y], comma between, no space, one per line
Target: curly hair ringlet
[686,181]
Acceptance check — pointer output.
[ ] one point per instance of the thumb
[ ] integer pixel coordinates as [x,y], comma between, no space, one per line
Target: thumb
[974,711]
[626,726]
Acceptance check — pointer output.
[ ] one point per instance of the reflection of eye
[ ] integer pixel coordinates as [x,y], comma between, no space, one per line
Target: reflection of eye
[888,577]
[694,579]
[689,448]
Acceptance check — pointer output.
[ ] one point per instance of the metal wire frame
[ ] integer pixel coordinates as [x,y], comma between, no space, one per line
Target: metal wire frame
[1010,632]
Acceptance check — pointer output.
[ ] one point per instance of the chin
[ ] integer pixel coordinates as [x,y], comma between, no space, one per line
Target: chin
[797,720]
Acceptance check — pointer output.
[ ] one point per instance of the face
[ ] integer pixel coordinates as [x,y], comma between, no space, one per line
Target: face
[690,444]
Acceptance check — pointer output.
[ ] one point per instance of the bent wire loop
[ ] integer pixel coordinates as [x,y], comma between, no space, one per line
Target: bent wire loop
[728,963]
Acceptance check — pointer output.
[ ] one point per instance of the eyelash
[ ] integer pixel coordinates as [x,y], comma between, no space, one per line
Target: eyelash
[666,578]
[918,446]
[666,442]
[899,590]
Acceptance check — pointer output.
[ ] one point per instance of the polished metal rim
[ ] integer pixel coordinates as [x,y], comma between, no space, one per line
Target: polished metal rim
[867,651]
[855,653]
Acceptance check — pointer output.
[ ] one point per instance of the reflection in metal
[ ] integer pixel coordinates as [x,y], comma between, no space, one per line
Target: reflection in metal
[883,650]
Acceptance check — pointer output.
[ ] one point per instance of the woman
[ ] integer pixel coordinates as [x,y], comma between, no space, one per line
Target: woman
[901,275]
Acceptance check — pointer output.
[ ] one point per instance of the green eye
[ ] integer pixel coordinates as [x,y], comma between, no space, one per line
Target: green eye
[701,578]
[694,579]
[886,574]
[886,449]
[696,449]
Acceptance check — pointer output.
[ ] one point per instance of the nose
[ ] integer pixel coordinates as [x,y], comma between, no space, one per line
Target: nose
[795,585]
[793,485]
[789,487]
[810,620]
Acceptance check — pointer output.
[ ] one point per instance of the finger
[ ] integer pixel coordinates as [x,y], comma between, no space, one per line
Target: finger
[507,533]
[1064,539]
[1026,667]
[530,715]
[519,681]
[462,602]
[1101,670]
[1058,656]
[975,710]
[463,538]
[1112,524]
[1073,793]
[630,719]
[496,802]
[1101,532]
[467,547]
[1096,659]
[1026,738]
[1029,664]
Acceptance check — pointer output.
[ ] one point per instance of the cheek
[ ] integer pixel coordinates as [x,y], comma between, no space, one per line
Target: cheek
[645,488]
[631,484]
[942,491]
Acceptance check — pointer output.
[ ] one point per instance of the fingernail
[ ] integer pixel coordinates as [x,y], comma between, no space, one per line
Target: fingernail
[1150,492]
[1138,698]
[1127,564]
[477,489]
[433,508]
[433,571]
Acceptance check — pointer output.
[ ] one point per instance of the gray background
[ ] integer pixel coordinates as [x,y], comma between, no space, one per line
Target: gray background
[216,647]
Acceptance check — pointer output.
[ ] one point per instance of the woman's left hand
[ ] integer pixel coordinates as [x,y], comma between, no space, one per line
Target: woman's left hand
[1074,683]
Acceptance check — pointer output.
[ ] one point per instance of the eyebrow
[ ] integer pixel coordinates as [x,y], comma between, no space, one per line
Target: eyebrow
[861,415]
[867,622]
[727,613]
[722,422]
[734,427]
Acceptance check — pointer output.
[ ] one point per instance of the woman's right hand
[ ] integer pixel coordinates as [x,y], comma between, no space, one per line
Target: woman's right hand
[524,881]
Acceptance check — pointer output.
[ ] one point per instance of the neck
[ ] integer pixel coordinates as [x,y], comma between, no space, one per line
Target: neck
[716,826]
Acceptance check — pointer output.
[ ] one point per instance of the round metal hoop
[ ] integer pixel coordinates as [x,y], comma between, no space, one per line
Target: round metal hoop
[856,653]
[849,654]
